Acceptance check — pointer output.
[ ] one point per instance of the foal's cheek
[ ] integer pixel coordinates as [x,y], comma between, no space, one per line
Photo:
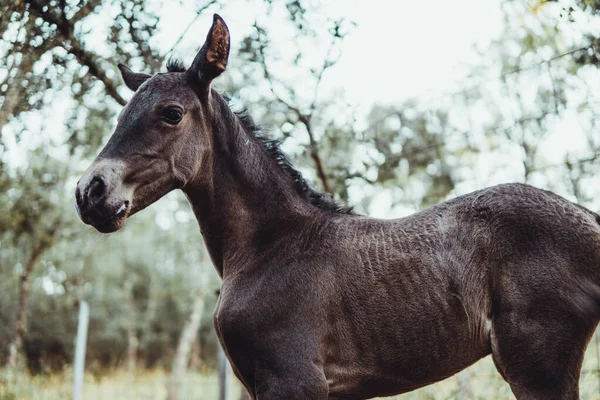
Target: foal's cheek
[188,162]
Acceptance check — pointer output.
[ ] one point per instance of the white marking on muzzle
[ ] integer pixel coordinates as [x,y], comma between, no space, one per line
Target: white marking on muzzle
[121,209]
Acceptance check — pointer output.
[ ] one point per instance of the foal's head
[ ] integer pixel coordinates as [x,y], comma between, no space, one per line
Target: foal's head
[158,144]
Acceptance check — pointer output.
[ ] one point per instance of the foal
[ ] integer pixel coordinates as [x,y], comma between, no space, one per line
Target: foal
[320,303]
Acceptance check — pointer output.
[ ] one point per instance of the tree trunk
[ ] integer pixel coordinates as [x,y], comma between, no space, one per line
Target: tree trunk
[195,361]
[182,354]
[11,100]
[15,348]
[132,339]
[132,348]
[145,327]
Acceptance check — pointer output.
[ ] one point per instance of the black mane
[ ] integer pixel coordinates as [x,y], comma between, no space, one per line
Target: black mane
[304,189]
[272,146]
[175,65]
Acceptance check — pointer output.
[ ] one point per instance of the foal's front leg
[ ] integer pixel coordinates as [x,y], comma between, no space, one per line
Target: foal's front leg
[276,365]
[277,352]
[279,365]
[287,376]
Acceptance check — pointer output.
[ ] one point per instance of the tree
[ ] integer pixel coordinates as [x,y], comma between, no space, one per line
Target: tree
[32,218]
[188,337]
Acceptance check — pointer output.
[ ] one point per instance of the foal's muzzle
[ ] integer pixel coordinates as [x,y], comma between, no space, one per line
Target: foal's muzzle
[99,202]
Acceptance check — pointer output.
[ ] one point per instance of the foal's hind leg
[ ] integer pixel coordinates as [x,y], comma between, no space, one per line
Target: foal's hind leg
[539,348]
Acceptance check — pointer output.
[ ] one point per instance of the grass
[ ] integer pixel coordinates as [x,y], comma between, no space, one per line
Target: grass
[118,385]
[150,385]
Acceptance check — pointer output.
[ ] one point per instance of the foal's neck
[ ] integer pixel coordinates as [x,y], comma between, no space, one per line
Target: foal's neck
[241,197]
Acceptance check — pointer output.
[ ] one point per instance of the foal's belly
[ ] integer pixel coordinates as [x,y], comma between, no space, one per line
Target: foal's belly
[391,354]
[354,382]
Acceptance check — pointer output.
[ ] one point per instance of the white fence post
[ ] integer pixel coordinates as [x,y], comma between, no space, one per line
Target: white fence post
[79,363]
[223,376]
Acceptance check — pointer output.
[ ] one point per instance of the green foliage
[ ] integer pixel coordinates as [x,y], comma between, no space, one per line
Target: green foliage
[32,208]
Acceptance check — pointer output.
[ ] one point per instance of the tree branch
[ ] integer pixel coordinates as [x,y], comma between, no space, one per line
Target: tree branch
[85,10]
[75,47]
[90,60]
[11,102]
[304,119]
[328,63]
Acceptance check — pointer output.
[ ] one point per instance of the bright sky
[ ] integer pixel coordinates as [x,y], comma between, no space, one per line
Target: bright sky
[399,49]
[412,48]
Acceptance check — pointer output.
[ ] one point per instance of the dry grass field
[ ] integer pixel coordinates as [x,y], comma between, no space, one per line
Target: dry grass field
[151,385]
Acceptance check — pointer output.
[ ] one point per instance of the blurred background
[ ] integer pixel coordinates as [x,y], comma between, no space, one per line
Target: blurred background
[389,106]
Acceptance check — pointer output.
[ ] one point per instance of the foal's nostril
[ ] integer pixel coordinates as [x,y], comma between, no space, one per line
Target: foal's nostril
[96,190]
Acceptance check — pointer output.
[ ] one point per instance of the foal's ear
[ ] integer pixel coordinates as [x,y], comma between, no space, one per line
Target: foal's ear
[133,80]
[211,60]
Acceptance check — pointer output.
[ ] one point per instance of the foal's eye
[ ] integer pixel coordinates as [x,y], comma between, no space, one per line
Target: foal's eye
[172,116]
